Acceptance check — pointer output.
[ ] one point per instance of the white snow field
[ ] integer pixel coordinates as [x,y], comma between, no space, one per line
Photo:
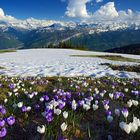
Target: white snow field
[58,62]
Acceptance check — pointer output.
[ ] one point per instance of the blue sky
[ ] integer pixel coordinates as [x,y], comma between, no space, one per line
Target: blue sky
[55,9]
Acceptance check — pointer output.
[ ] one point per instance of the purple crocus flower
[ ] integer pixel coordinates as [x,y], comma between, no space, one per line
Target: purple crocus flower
[56,97]
[121,94]
[81,102]
[61,105]
[125,112]
[24,109]
[11,86]
[105,102]
[48,114]
[2,110]
[60,138]
[116,95]
[37,106]
[78,93]
[2,122]
[46,98]
[3,132]
[11,120]
[108,112]
[68,95]
[49,118]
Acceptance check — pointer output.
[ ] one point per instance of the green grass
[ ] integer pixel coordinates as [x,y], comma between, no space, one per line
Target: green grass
[110,57]
[7,51]
[134,68]
[2,68]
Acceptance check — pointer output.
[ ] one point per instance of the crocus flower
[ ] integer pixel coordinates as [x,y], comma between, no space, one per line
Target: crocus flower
[11,86]
[111,95]
[24,109]
[37,106]
[68,95]
[86,107]
[49,118]
[2,122]
[109,119]
[11,120]
[57,111]
[3,132]
[108,112]
[136,121]
[29,108]
[46,98]
[81,102]
[74,105]
[117,112]
[95,107]
[63,126]
[134,127]
[105,102]
[126,127]
[125,112]
[61,105]
[129,103]
[41,129]
[135,103]
[106,107]
[65,114]
[20,104]
[2,110]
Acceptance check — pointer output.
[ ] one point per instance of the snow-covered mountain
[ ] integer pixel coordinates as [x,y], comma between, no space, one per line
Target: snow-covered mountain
[33,33]
[31,24]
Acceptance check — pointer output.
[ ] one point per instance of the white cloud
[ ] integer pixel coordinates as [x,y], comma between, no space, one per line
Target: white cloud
[1,13]
[107,11]
[77,8]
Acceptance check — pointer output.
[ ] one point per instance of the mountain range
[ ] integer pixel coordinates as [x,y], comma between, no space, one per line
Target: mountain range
[95,36]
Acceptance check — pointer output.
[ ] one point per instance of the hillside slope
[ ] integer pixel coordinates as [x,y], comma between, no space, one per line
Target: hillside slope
[130,49]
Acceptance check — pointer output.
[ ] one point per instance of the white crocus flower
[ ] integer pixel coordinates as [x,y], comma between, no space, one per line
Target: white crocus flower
[20,104]
[63,126]
[126,127]
[111,95]
[125,113]
[86,107]
[16,94]
[29,108]
[102,94]
[30,96]
[129,103]
[126,89]
[15,90]
[57,111]
[96,102]
[10,94]
[106,107]
[74,105]
[134,127]
[65,114]
[136,121]
[41,129]
[95,107]
[135,103]
[5,100]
